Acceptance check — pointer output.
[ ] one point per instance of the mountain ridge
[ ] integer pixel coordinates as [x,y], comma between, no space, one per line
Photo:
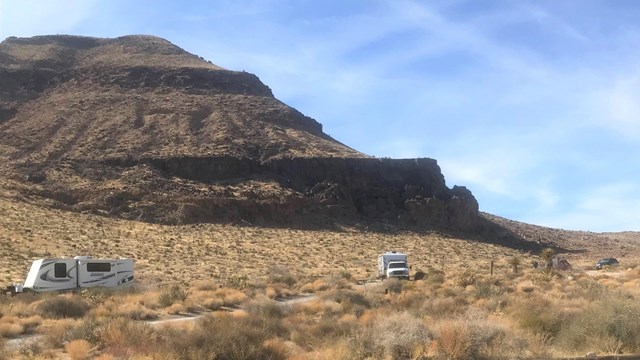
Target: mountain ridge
[138,128]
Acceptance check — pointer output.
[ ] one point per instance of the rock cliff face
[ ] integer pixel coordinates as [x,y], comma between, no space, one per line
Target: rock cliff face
[139,128]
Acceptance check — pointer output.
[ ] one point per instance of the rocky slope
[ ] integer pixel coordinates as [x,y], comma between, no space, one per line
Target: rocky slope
[139,128]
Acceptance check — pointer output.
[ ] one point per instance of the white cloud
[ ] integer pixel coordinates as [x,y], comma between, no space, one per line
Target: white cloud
[620,106]
[609,207]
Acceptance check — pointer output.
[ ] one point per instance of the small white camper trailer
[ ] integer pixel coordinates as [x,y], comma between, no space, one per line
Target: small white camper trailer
[77,273]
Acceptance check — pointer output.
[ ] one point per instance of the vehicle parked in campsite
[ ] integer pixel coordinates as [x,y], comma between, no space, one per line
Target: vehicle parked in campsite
[77,273]
[393,265]
[606,262]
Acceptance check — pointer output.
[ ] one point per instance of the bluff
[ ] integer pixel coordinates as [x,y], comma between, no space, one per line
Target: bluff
[137,127]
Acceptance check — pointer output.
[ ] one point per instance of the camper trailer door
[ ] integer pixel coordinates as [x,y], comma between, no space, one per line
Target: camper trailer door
[52,275]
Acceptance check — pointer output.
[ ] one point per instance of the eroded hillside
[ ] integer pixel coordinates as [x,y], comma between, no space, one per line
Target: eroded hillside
[136,127]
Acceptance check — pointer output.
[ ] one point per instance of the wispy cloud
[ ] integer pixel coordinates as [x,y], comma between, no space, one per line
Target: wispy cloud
[604,208]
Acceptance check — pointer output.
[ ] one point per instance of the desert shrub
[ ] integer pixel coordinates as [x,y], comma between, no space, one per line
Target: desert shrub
[78,349]
[393,285]
[324,331]
[30,349]
[445,307]
[124,336]
[225,338]
[282,279]
[349,298]
[113,333]
[315,286]
[455,340]
[30,323]
[96,295]
[592,289]
[205,285]
[171,295]
[88,329]
[434,278]
[63,307]
[363,345]
[55,331]
[401,335]
[230,297]
[540,347]
[515,263]
[10,330]
[488,288]
[539,316]
[265,308]
[213,303]
[396,336]
[135,312]
[345,274]
[240,282]
[468,277]
[611,325]
[419,275]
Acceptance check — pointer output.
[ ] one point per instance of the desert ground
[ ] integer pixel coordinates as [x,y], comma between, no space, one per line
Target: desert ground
[229,276]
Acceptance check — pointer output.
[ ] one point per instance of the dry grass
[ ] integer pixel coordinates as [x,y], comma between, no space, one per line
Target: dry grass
[449,313]
[574,316]
[78,349]
[215,253]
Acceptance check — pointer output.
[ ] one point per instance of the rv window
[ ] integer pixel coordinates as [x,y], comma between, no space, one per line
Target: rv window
[397,265]
[60,270]
[98,267]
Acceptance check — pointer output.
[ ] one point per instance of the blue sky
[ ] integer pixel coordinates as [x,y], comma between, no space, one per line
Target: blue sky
[533,105]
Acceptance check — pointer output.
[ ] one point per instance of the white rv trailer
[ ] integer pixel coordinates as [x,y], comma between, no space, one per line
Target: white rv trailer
[77,273]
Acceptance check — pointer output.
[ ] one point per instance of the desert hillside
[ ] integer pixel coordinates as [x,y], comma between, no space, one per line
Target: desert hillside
[137,128]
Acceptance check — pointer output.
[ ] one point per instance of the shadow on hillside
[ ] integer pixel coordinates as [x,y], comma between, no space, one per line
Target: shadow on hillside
[486,231]
[495,233]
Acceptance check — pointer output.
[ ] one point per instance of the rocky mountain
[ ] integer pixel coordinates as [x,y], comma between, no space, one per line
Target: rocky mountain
[136,127]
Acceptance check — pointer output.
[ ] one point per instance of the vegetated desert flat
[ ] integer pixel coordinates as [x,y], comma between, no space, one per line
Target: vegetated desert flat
[167,254]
